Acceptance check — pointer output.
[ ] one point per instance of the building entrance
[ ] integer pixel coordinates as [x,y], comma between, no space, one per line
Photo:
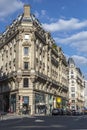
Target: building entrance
[4,102]
[40,105]
[13,103]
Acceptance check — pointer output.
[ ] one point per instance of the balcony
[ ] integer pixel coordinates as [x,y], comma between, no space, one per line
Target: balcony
[7,76]
[26,72]
[41,75]
[55,52]
[41,37]
[54,61]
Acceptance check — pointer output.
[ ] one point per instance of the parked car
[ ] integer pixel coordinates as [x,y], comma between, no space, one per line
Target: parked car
[62,111]
[76,112]
[3,113]
[85,112]
[56,111]
[68,112]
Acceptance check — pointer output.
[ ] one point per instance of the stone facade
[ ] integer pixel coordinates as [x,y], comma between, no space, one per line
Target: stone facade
[76,87]
[33,69]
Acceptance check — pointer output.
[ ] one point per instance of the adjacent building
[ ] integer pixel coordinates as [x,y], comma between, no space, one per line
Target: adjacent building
[76,87]
[33,69]
[85,93]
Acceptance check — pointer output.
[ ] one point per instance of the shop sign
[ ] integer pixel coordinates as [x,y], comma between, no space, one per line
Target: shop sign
[58,100]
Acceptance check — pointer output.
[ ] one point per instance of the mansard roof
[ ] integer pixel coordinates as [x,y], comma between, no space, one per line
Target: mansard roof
[79,70]
[71,61]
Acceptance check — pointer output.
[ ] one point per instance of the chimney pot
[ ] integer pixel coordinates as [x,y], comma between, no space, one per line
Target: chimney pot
[26,11]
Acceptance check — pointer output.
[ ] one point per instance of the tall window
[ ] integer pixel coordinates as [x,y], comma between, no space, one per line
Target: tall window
[73,95]
[71,71]
[73,89]
[26,50]
[25,82]
[72,76]
[26,65]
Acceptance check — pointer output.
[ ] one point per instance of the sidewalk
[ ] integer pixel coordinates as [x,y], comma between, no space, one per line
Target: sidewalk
[13,116]
[9,116]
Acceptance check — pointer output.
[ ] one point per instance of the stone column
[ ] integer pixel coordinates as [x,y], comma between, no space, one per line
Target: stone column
[47,104]
[32,97]
[18,79]
[32,51]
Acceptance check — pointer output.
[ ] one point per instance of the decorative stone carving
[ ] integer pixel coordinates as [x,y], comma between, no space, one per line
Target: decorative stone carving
[26,43]
[26,58]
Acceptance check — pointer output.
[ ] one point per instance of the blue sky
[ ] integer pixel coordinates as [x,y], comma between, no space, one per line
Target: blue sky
[65,19]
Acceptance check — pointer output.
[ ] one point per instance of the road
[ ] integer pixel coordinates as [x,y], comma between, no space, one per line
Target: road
[46,123]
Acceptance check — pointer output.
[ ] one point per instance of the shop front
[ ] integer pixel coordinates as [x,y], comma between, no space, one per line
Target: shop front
[64,103]
[25,107]
[40,103]
[50,100]
[59,102]
[4,102]
[12,103]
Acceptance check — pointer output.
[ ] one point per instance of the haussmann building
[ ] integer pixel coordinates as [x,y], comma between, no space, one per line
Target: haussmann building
[33,69]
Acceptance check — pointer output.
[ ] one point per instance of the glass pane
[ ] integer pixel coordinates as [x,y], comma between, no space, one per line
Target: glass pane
[25,50]
[25,65]
[26,82]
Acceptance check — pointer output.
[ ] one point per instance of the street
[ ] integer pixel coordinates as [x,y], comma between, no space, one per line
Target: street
[45,123]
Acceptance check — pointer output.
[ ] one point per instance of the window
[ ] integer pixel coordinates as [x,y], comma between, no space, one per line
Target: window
[26,65]
[73,89]
[26,49]
[72,76]
[72,95]
[72,81]
[25,100]
[73,107]
[25,82]
[73,101]
[71,71]
[26,37]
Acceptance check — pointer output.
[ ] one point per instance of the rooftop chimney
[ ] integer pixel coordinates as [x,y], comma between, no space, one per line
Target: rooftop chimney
[26,11]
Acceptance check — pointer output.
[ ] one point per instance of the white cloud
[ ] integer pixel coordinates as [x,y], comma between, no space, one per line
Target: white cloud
[74,38]
[8,7]
[43,15]
[65,25]
[43,12]
[79,41]
[80,60]
[36,14]
[40,14]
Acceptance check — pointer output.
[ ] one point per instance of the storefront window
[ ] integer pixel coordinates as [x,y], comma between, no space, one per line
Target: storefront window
[40,105]
[25,105]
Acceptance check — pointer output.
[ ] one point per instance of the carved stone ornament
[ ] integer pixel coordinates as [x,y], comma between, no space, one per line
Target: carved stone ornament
[33,78]
[32,37]
[26,58]
[26,43]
